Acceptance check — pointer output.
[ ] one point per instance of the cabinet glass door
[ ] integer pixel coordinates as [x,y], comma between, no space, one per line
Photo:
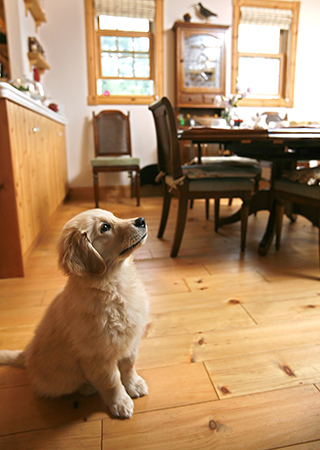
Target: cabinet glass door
[202,61]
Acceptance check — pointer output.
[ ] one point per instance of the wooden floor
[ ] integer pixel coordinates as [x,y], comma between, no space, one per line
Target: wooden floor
[231,353]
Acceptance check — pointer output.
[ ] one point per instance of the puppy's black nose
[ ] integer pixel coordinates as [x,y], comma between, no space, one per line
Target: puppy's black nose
[140,222]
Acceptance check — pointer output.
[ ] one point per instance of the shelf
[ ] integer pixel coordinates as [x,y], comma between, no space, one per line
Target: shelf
[36,11]
[38,61]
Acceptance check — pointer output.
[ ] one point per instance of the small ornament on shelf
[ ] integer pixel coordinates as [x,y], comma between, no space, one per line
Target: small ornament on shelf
[54,107]
[35,46]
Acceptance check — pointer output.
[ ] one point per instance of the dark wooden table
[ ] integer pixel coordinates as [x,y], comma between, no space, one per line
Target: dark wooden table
[283,147]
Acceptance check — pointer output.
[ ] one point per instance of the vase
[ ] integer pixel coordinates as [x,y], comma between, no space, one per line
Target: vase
[228,115]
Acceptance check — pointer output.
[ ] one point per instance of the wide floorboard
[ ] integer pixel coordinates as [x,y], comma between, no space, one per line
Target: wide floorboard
[231,352]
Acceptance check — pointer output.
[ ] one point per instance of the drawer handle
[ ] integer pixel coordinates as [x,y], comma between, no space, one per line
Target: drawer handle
[35,129]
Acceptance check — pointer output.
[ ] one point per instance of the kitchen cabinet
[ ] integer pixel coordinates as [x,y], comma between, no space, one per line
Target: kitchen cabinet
[33,175]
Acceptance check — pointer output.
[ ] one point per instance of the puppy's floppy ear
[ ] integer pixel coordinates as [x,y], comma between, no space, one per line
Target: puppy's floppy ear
[77,255]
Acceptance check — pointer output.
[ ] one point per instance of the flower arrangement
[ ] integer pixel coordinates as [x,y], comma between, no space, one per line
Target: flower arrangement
[230,102]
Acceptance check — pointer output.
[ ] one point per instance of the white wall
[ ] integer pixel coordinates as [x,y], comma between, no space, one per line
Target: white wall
[307,90]
[19,27]
[64,39]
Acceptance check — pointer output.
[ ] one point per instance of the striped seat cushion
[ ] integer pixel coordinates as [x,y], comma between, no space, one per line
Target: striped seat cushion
[233,160]
[220,171]
[214,184]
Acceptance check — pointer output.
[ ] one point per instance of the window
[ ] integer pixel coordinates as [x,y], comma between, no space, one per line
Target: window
[264,50]
[124,50]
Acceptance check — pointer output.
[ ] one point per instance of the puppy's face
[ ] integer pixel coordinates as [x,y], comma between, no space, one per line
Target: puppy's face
[95,240]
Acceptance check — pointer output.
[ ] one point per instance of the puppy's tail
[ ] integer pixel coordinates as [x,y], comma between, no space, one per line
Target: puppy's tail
[12,358]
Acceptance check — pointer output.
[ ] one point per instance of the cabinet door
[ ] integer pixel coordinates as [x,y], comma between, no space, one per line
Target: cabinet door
[23,174]
[58,164]
[11,263]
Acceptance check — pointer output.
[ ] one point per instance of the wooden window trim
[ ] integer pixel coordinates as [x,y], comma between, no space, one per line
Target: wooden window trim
[288,75]
[94,69]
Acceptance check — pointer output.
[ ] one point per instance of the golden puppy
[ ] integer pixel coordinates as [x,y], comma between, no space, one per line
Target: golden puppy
[88,339]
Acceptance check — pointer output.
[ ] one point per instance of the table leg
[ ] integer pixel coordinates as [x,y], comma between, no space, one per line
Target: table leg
[199,153]
[269,233]
[278,168]
[261,200]
[267,239]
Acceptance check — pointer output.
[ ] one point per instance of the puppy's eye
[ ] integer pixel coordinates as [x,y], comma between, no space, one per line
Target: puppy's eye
[105,227]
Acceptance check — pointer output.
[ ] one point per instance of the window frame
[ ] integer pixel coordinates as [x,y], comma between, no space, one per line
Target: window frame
[116,33]
[93,60]
[288,57]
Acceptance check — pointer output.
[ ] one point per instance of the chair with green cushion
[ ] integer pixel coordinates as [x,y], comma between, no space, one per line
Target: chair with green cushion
[112,144]
[307,196]
[192,182]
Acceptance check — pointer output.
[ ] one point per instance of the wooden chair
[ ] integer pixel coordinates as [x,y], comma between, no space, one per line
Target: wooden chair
[112,143]
[191,182]
[299,194]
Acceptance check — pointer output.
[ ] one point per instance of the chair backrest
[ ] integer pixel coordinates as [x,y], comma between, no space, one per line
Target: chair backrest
[112,133]
[169,158]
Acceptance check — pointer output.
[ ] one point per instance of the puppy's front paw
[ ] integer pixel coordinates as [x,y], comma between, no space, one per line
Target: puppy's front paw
[123,407]
[136,387]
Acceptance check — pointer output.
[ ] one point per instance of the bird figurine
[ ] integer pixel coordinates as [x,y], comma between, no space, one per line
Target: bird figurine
[206,12]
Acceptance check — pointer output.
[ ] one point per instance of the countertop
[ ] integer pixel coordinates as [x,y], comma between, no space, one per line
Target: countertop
[10,93]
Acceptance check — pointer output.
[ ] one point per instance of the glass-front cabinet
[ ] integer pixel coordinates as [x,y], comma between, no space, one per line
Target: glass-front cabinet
[200,63]
[200,75]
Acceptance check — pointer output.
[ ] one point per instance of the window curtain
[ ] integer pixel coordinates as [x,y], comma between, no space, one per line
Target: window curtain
[266,16]
[138,9]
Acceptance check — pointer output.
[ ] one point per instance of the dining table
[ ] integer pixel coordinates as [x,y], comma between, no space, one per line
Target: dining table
[283,147]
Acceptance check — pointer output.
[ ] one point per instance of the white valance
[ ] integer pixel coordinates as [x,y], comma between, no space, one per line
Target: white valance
[266,16]
[138,9]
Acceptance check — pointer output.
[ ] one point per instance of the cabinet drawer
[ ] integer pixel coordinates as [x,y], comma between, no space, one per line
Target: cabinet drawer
[191,99]
[208,99]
